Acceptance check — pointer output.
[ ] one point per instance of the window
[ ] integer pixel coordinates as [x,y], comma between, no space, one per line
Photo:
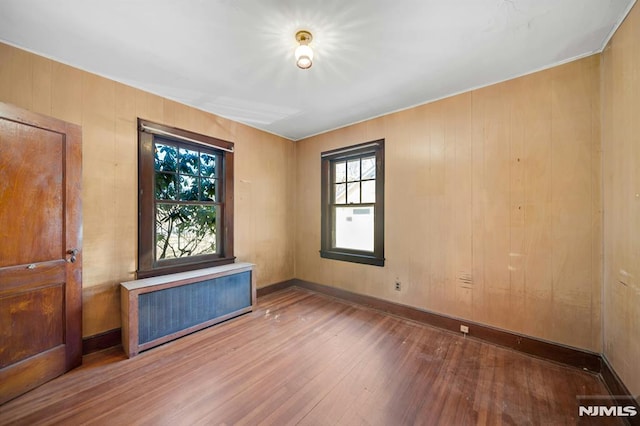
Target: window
[185,203]
[353,204]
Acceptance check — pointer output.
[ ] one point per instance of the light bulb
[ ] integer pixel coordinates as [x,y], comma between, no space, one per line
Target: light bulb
[304,56]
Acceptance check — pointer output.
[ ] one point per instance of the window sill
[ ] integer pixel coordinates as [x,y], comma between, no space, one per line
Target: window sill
[172,269]
[352,257]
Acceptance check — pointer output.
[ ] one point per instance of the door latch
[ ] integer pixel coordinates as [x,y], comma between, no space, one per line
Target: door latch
[73,254]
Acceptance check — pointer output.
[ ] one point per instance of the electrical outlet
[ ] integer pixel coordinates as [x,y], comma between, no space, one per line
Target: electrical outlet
[397,285]
[464,329]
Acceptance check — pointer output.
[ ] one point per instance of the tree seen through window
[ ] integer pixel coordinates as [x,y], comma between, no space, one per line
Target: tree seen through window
[187,200]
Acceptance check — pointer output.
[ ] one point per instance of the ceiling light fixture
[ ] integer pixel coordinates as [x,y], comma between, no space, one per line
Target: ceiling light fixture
[304,54]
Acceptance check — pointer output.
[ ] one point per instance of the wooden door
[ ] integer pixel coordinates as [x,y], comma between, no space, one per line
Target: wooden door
[40,230]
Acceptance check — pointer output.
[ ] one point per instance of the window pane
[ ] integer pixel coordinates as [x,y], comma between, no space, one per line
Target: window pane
[207,165]
[165,158]
[188,161]
[354,228]
[353,170]
[208,190]
[341,172]
[369,191]
[189,188]
[341,193]
[165,186]
[369,168]
[353,192]
[185,230]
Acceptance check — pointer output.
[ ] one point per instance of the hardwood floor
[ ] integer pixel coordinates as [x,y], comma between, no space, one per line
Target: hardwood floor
[304,358]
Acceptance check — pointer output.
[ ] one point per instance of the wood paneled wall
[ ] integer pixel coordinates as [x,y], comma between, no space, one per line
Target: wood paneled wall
[107,112]
[501,184]
[621,167]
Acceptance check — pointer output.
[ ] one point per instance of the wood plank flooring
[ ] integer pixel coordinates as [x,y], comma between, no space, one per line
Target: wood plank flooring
[309,359]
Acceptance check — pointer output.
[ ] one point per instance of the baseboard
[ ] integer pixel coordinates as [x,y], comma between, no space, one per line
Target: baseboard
[272,288]
[618,390]
[101,341]
[532,346]
[552,351]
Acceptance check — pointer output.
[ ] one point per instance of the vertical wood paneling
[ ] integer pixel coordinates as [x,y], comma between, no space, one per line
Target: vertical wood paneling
[477,203]
[16,74]
[537,163]
[597,247]
[42,85]
[98,121]
[66,93]
[571,169]
[6,54]
[492,206]
[621,160]
[491,304]
[435,181]
[125,167]
[149,106]
[412,150]
[107,112]
[461,194]
[518,121]
[264,171]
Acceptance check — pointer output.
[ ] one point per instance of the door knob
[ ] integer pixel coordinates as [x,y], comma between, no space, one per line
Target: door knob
[73,254]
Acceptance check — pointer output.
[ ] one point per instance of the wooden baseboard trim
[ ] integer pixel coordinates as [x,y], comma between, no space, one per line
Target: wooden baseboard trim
[101,341]
[619,390]
[532,346]
[272,288]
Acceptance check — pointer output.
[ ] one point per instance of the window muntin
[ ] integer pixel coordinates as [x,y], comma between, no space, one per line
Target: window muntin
[185,181]
[353,204]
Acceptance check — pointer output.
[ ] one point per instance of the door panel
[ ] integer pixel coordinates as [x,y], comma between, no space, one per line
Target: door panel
[32,169]
[30,373]
[40,223]
[38,322]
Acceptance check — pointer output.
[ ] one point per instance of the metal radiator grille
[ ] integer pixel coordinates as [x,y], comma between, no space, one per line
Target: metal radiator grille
[168,311]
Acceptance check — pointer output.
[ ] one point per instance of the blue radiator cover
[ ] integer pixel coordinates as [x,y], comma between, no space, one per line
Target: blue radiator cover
[174,309]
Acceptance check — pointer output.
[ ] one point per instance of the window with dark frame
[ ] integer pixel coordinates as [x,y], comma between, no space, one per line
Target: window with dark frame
[353,204]
[185,204]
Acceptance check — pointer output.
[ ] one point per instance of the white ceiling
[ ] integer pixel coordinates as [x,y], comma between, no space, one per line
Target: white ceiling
[235,58]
